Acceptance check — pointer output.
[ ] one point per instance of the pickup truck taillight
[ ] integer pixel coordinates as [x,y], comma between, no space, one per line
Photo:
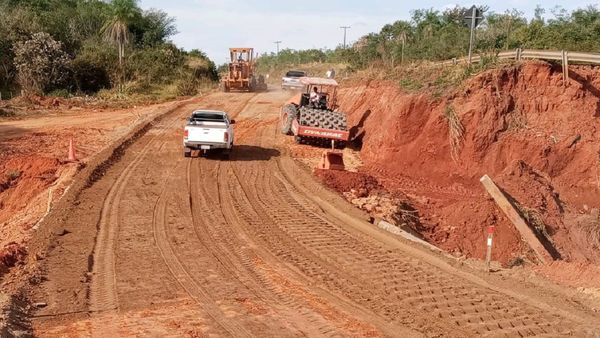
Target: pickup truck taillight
[186,133]
[226,137]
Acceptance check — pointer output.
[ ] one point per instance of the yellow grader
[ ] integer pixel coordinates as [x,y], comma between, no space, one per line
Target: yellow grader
[241,74]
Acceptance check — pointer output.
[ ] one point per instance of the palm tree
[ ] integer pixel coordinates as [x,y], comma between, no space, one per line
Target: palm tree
[116,28]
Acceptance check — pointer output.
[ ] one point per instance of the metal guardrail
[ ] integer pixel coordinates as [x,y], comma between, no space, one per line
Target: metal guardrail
[519,54]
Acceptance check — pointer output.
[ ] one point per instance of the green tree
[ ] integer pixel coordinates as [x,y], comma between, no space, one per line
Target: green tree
[40,62]
[116,29]
[153,28]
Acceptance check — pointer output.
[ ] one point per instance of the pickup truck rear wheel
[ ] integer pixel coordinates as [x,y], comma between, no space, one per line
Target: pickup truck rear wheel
[187,152]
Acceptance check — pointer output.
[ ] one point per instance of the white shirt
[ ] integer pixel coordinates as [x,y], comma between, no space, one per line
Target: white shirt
[314,97]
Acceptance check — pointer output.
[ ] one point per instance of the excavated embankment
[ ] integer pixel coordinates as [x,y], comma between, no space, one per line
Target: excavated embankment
[537,138]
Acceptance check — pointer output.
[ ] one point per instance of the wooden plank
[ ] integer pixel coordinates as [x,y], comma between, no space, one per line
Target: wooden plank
[513,215]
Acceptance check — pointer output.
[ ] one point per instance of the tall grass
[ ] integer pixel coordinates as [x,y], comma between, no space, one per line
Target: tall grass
[456,131]
[591,228]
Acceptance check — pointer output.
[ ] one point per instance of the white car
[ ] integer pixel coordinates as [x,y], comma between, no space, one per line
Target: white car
[291,80]
[208,130]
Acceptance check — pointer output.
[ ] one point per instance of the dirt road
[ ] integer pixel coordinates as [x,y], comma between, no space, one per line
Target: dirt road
[167,246]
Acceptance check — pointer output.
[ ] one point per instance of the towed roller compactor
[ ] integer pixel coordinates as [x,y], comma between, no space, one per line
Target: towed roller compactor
[312,118]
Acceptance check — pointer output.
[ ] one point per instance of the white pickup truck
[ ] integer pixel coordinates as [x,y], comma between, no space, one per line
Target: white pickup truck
[207,130]
[291,80]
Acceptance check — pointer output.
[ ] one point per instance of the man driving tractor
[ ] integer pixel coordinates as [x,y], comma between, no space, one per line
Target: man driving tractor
[315,97]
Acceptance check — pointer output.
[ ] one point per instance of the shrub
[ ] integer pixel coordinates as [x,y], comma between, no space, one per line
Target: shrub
[13,175]
[89,77]
[40,63]
[6,113]
[154,65]
[60,93]
[187,85]
[95,67]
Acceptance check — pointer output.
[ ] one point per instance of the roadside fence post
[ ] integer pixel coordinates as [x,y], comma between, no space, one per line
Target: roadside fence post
[565,64]
[488,255]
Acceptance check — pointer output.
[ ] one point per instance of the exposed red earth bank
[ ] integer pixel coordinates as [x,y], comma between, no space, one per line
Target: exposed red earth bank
[534,135]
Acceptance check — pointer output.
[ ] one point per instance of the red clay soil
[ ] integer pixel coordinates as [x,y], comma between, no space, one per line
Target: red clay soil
[345,181]
[579,275]
[11,255]
[34,146]
[537,138]
[21,179]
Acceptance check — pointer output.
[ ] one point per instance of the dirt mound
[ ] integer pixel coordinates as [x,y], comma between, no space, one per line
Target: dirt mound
[519,124]
[346,181]
[21,179]
[366,193]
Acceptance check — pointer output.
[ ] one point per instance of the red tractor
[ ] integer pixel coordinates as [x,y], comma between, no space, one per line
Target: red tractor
[312,118]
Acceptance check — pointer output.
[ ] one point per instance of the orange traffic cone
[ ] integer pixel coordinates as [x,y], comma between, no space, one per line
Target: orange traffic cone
[72,157]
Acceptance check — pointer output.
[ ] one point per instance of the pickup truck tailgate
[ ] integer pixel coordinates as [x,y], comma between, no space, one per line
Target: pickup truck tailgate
[209,135]
[208,132]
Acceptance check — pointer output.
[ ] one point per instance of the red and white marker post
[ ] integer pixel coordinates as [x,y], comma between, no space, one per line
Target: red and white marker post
[488,255]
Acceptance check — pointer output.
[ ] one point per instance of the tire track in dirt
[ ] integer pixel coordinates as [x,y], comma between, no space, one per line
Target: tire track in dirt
[111,201]
[212,254]
[103,294]
[237,253]
[343,315]
[243,189]
[181,273]
[333,254]
[259,256]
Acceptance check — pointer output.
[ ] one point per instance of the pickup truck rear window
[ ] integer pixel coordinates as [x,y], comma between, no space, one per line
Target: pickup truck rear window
[295,73]
[207,117]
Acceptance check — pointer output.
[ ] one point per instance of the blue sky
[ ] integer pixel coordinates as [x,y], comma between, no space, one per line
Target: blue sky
[213,26]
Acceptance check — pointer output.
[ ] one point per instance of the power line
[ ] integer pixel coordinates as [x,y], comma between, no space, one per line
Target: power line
[345,28]
[277,43]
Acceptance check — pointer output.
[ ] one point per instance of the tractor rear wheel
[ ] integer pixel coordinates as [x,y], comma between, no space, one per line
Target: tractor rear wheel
[289,114]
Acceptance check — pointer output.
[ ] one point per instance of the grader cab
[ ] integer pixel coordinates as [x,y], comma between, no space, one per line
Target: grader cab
[241,73]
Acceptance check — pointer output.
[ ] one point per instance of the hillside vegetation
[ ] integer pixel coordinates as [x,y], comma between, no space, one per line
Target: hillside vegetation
[65,47]
[441,35]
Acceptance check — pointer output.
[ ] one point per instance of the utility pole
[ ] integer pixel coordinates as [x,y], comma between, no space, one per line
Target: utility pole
[345,28]
[277,43]
[472,18]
